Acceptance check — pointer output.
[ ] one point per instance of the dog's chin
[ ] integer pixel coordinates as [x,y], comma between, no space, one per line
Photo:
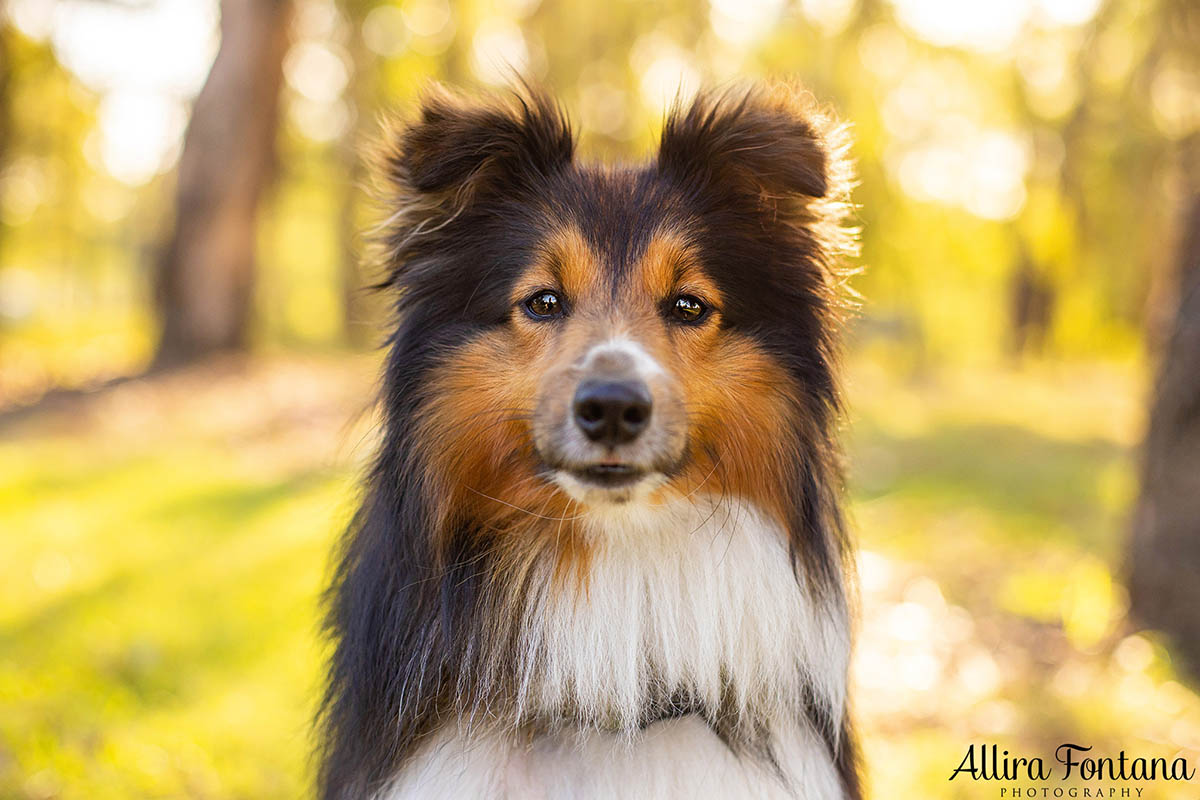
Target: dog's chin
[607,483]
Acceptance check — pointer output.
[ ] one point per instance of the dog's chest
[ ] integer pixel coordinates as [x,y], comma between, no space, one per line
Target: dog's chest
[678,758]
[699,602]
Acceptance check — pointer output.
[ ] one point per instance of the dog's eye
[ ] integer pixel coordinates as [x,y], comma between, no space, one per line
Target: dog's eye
[688,308]
[544,304]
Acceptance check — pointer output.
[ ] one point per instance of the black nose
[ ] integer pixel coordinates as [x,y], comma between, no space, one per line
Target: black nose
[612,412]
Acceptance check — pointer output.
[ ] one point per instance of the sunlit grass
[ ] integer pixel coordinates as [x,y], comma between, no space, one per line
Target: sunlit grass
[71,351]
[163,548]
[158,633]
[160,569]
[992,507]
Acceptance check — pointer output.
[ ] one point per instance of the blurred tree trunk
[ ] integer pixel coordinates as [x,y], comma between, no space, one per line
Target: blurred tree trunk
[1165,548]
[6,79]
[206,270]
[357,308]
[1031,307]
[356,305]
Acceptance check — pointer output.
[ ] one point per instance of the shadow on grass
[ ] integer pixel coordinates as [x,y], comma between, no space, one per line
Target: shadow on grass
[235,502]
[220,513]
[1008,472]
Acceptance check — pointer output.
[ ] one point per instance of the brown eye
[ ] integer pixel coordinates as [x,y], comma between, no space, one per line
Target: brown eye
[544,304]
[688,308]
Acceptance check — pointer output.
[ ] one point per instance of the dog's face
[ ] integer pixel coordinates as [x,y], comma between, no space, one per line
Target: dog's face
[611,345]
[611,336]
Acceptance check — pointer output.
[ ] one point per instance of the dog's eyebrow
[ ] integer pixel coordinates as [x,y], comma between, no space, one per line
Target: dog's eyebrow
[670,262]
[568,258]
[683,266]
[554,264]
[547,259]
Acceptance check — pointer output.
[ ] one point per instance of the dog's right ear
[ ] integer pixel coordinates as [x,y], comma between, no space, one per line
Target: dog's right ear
[459,150]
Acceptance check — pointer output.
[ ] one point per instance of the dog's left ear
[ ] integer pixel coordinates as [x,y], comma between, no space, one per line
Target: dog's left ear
[766,142]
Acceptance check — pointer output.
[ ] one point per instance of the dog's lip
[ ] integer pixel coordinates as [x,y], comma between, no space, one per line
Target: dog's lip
[609,474]
[609,471]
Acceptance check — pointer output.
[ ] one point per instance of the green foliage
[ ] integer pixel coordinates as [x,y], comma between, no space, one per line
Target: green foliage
[1075,132]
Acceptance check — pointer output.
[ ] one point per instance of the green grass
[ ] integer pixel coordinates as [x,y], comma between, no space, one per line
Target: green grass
[163,547]
[159,588]
[992,508]
[157,634]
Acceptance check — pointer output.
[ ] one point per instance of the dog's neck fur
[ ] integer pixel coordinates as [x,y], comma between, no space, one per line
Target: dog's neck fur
[689,616]
[692,606]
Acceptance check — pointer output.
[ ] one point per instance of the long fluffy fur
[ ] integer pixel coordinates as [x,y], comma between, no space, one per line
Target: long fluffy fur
[473,602]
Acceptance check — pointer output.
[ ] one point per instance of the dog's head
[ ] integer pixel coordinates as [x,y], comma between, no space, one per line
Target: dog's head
[615,336]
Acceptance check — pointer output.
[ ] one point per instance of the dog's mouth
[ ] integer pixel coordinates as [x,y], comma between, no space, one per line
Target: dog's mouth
[609,474]
[610,481]
[608,477]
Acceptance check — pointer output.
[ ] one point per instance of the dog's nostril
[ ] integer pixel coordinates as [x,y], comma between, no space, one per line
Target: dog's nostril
[612,412]
[591,412]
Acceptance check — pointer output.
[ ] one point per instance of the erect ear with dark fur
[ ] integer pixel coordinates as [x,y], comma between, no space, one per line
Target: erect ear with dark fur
[767,141]
[460,148]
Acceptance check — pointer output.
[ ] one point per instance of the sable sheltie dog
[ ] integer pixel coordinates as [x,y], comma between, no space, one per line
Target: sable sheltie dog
[600,553]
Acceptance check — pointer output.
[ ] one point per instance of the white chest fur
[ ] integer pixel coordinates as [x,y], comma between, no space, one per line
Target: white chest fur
[696,597]
[678,758]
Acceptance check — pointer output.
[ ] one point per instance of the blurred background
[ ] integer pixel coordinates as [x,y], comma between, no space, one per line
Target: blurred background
[187,356]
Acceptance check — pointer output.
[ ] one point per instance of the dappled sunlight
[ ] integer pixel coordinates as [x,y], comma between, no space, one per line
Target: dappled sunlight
[932,676]
[163,597]
[167,516]
[143,111]
[989,27]
[992,608]
[161,602]
[742,23]
[980,166]
[1072,402]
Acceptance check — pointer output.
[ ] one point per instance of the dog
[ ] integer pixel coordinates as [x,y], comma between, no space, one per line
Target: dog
[601,552]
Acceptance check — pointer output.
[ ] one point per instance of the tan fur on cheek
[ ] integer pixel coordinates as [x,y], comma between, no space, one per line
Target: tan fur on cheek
[736,400]
[742,407]
[474,431]
[477,443]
